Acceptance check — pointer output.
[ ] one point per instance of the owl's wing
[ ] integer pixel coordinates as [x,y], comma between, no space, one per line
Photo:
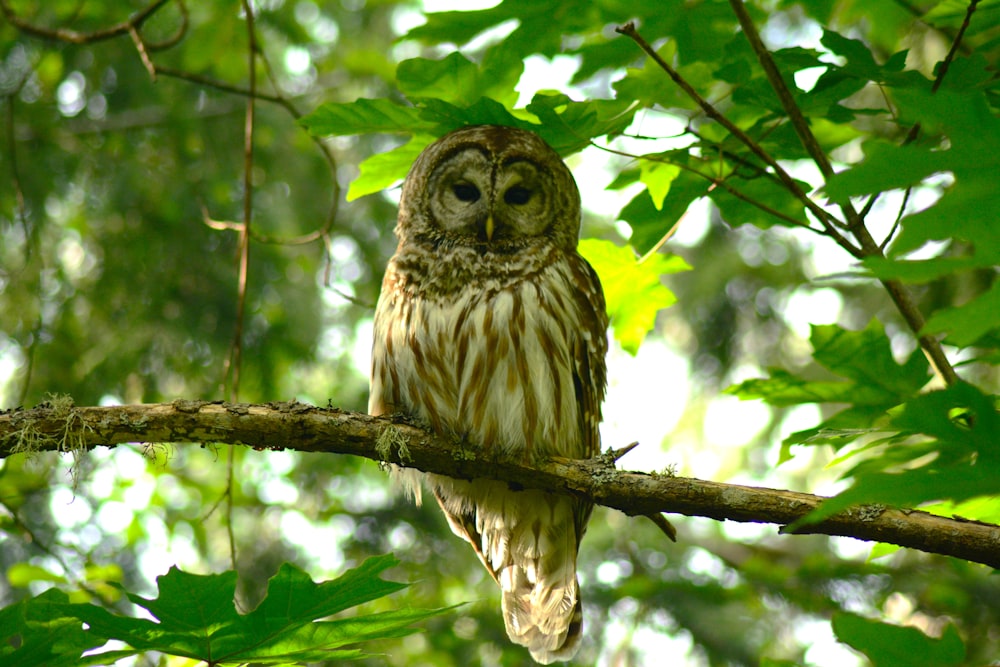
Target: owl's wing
[589,351]
[589,369]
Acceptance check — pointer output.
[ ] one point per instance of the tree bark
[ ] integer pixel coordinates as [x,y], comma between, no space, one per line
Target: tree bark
[59,426]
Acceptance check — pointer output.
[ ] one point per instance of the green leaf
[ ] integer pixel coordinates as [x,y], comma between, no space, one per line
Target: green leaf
[381,170]
[859,58]
[485,111]
[965,429]
[962,213]
[885,167]
[458,27]
[454,78]
[650,224]
[784,389]
[961,417]
[363,116]
[457,80]
[882,549]
[196,618]
[839,430]
[970,322]
[908,489]
[37,632]
[569,126]
[658,176]
[22,574]
[863,357]
[977,509]
[894,646]
[866,357]
[920,271]
[632,289]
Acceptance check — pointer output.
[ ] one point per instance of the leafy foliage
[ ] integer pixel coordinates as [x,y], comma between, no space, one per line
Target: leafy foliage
[194,616]
[892,645]
[632,288]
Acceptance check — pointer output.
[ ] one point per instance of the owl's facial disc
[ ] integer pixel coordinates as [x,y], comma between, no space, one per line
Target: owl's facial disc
[487,199]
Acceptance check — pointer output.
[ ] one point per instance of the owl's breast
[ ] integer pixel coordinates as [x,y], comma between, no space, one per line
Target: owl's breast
[492,365]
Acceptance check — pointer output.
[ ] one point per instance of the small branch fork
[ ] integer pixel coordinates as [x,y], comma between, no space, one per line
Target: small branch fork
[311,429]
[865,245]
[72,36]
[132,28]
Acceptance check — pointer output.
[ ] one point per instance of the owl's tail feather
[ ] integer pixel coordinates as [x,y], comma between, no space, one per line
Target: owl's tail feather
[528,541]
[548,621]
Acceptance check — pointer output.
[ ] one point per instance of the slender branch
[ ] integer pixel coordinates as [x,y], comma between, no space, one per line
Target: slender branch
[143,54]
[773,74]
[209,82]
[72,36]
[825,218]
[131,27]
[311,429]
[898,292]
[174,39]
[20,208]
[317,234]
[722,183]
[953,51]
[899,219]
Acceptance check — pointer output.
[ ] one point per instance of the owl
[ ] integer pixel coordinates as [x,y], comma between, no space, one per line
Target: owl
[491,329]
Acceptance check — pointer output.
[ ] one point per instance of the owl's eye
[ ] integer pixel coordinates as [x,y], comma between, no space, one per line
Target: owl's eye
[466,192]
[517,195]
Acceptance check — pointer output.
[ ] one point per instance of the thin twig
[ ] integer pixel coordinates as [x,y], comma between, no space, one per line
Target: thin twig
[141,48]
[785,97]
[225,87]
[235,357]
[664,525]
[897,221]
[74,37]
[15,174]
[173,40]
[722,183]
[788,103]
[281,101]
[663,239]
[616,454]
[869,248]
[828,221]
[953,51]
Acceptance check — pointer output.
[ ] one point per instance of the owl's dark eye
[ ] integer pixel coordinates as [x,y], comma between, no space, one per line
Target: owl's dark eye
[517,195]
[466,192]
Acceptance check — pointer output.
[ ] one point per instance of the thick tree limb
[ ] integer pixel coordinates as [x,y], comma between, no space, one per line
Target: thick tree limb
[61,427]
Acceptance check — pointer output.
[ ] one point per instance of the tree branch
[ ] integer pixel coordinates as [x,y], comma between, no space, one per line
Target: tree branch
[59,426]
[900,296]
[826,219]
[74,37]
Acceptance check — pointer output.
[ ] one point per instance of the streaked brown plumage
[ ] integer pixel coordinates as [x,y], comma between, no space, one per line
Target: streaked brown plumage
[490,328]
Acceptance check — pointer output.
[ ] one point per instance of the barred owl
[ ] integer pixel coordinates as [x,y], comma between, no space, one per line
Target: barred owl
[491,329]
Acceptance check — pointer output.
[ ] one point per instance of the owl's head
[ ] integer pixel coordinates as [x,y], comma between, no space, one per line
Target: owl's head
[497,189]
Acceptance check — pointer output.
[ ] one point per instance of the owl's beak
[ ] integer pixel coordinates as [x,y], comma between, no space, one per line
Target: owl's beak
[489,227]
